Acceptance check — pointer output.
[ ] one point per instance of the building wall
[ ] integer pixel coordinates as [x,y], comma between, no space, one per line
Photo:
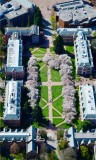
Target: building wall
[16,75]
[93,2]
[63,24]
[12,123]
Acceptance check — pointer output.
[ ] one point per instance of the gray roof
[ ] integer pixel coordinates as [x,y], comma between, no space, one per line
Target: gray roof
[28,136]
[78,138]
[25,3]
[14,54]
[13,14]
[25,31]
[12,106]
[88,101]
[77,13]
[82,50]
[15,8]
[31,146]
[71,31]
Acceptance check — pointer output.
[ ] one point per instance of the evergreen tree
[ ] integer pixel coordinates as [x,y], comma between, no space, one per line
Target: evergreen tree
[38,17]
[37,114]
[58,45]
[85,154]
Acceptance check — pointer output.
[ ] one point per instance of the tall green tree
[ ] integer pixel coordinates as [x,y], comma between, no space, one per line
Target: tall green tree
[85,154]
[37,115]
[63,144]
[58,45]
[38,17]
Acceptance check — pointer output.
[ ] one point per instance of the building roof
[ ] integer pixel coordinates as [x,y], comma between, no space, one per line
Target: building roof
[78,138]
[31,146]
[14,53]
[12,100]
[15,8]
[82,50]
[72,31]
[17,134]
[25,31]
[76,13]
[87,94]
[13,14]
[25,3]
[28,136]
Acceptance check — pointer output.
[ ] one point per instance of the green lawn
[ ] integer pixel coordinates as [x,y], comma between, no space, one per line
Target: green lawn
[31,49]
[55,114]
[43,50]
[41,64]
[44,74]
[55,76]
[58,104]
[1,109]
[74,69]
[46,111]
[56,121]
[38,54]
[2,123]
[65,126]
[44,92]
[42,103]
[51,49]
[70,49]
[56,91]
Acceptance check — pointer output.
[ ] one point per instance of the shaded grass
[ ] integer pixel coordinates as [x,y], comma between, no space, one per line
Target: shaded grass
[70,49]
[0,62]
[44,74]
[1,109]
[55,76]
[44,92]
[74,69]
[46,111]
[55,114]
[56,121]
[31,49]
[58,104]
[56,91]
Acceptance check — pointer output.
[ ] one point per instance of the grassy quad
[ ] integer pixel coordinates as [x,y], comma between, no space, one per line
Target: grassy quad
[39,53]
[57,121]
[56,91]
[55,114]
[42,103]
[43,74]
[51,49]
[46,111]
[58,104]
[70,49]
[41,64]
[44,92]
[55,76]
